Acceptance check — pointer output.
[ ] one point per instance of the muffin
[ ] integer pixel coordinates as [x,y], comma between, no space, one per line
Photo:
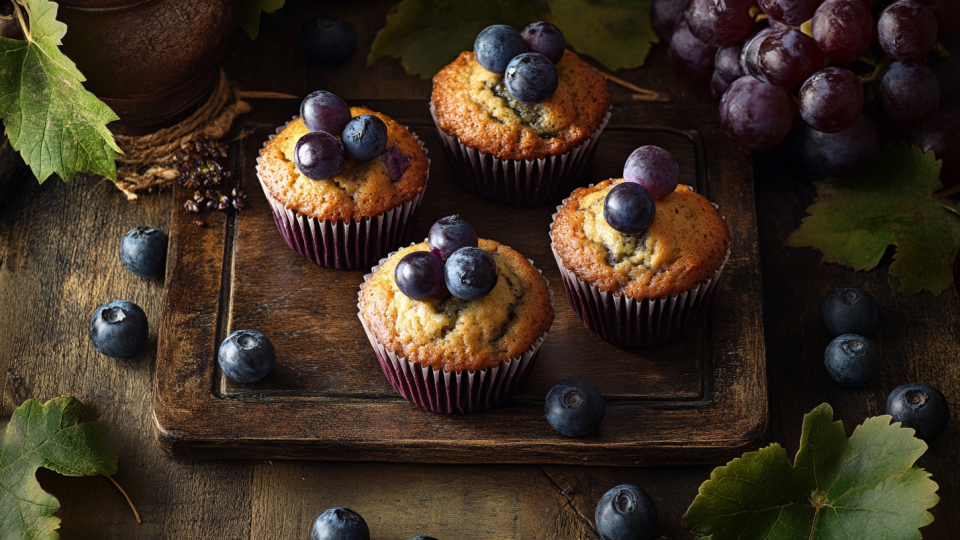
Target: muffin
[642,289]
[512,152]
[450,355]
[351,219]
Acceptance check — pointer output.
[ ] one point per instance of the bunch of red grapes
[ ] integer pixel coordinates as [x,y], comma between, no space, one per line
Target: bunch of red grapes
[801,71]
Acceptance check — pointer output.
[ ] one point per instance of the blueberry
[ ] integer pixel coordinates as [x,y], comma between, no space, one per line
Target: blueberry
[920,407]
[629,208]
[118,329]
[144,251]
[419,275]
[364,138]
[319,155]
[849,310]
[246,356]
[574,408]
[496,46]
[626,513]
[329,41]
[470,273]
[546,39]
[449,234]
[324,111]
[340,524]
[531,78]
[852,360]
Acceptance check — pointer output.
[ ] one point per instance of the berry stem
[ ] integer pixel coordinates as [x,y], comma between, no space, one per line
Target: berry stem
[132,507]
[250,94]
[942,52]
[756,14]
[642,94]
[877,71]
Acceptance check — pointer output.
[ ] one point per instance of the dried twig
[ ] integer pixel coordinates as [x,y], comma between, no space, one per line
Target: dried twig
[642,94]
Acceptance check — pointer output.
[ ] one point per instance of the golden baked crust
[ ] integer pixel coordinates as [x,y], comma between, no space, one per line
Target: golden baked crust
[686,243]
[470,105]
[362,189]
[451,334]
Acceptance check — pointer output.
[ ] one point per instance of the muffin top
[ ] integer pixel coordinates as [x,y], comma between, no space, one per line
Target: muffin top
[362,189]
[473,105]
[448,333]
[683,246]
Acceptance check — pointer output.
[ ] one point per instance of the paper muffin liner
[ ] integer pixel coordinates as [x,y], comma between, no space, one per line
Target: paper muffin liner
[518,182]
[628,322]
[445,392]
[345,245]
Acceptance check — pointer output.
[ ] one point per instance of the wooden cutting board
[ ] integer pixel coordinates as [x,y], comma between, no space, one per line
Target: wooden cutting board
[702,399]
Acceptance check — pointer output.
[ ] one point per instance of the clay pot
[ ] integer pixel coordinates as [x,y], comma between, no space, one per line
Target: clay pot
[152,61]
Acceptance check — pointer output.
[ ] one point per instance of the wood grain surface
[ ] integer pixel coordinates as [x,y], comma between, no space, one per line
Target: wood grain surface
[58,262]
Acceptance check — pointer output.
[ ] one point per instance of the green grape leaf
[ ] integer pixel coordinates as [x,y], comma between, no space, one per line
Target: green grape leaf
[56,125]
[892,202]
[617,33]
[861,488]
[429,34]
[250,14]
[62,435]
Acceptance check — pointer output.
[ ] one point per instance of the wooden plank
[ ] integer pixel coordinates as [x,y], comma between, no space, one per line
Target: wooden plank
[238,274]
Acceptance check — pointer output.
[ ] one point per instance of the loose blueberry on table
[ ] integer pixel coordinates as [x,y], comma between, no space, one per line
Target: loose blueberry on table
[143,251]
[626,513]
[852,360]
[340,524]
[118,329]
[920,407]
[849,310]
[329,41]
[246,356]
[574,408]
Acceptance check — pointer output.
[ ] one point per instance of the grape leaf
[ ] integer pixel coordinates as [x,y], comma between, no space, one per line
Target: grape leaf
[56,125]
[62,435]
[429,34]
[891,202]
[250,14]
[861,488]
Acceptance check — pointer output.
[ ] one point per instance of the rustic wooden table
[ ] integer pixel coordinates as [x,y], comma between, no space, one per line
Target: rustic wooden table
[58,245]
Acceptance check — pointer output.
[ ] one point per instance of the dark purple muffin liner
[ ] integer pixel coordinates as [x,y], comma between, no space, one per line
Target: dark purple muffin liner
[454,392]
[518,182]
[345,245]
[627,322]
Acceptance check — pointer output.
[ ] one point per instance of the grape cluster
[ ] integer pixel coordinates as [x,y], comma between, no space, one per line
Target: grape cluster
[527,60]
[454,263]
[199,168]
[335,136]
[804,56]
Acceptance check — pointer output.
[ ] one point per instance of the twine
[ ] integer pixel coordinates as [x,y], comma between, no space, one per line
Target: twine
[147,161]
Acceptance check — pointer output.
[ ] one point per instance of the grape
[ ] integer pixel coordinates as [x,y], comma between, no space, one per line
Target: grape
[653,168]
[718,85]
[664,16]
[756,115]
[792,12]
[546,39]
[910,92]
[470,273]
[942,135]
[629,208]
[843,29]
[689,55]
[787,58]
[324,111]
[531,78]
[907,31]
[750,55]
[727,63]
[719,23]
[842,153]
[319,155]
[419,275]
[364,138]
[947,14]
[496,46]
[831,100]
[449,234]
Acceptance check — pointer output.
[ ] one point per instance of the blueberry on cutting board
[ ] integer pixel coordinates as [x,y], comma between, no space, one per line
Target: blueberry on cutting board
[246,356]
[574,408]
